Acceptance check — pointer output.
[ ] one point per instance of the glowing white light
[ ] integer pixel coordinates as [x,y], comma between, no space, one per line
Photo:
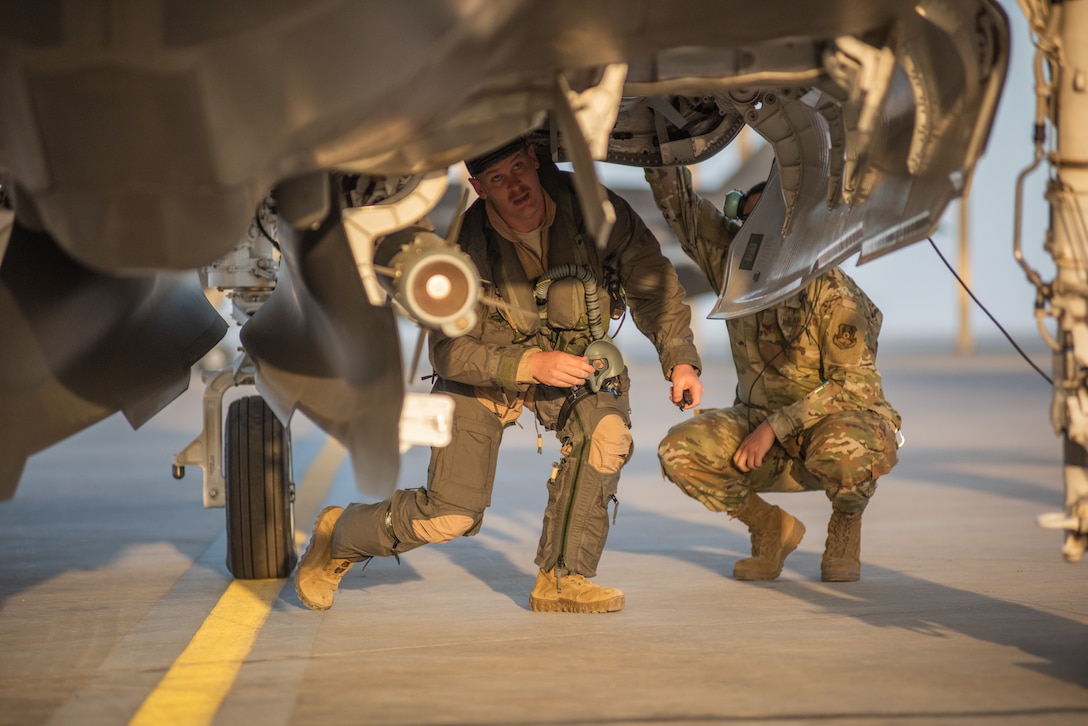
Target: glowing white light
[439,287]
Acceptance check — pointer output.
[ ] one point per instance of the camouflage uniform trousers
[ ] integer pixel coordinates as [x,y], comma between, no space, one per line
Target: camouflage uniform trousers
[843,454]
[595,443]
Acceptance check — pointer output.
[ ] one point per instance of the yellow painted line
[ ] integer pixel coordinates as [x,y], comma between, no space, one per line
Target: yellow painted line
[192,690]
[195,686]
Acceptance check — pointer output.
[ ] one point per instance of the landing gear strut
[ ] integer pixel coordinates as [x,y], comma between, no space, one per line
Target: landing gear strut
[248,470]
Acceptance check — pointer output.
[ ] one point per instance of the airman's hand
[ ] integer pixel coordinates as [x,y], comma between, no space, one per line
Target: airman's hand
[559,369]
[685,379]
[755,446]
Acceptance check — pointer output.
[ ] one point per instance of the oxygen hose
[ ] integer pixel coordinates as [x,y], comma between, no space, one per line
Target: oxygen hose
[589,283]
[604,356]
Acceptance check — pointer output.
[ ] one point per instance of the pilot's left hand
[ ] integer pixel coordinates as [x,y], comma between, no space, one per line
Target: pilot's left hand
[686,379]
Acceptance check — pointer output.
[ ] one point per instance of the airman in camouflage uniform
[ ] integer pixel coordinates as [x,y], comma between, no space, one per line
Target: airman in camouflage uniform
[809,413]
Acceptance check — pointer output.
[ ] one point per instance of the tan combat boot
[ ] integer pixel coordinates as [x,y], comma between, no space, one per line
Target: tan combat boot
[775,533]
[318,574]
[842,553]
[575,594]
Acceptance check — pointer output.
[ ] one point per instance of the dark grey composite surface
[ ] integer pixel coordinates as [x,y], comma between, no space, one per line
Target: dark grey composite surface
[966,612]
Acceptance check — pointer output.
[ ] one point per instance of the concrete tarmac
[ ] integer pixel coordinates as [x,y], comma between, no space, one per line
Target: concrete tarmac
[966,612]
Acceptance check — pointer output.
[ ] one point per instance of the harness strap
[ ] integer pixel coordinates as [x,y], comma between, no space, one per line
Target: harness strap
[576,394]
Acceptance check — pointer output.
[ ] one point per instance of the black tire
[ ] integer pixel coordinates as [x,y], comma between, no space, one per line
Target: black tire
[260,492]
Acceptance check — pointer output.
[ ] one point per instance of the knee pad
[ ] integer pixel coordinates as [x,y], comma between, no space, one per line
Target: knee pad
[442,528]
[610,445]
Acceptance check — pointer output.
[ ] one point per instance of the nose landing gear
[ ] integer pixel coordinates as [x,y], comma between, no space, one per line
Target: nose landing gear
[260,492]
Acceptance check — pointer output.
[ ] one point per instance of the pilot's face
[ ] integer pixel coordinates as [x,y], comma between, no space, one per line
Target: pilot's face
[513,187]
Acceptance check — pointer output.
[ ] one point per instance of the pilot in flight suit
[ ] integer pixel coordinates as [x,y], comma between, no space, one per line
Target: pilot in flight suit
[527,353]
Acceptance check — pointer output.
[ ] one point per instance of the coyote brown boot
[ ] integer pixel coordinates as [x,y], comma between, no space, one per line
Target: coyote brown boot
[775,533]
[318,574]
[577,595]
[842,553]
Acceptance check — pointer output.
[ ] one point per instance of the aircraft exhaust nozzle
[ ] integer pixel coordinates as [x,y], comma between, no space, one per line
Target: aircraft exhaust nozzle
[438,286]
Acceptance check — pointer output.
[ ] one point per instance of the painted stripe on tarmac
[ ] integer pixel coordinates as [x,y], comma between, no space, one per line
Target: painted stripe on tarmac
[193,689]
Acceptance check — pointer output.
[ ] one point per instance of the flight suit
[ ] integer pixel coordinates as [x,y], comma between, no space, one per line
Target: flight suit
[486,373]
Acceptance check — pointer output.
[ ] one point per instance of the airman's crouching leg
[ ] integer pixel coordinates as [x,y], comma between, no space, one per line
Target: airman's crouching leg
[696,455]
[847,453]
[842,553]
[775,534]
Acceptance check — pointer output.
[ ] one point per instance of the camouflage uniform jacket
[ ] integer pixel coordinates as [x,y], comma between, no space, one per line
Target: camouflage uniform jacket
[492,354]
[809,356]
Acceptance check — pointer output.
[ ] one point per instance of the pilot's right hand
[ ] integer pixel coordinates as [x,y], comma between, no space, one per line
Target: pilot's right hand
[559,369]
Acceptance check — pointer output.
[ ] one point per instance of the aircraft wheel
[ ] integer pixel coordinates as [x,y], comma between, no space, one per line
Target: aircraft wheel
[260,492]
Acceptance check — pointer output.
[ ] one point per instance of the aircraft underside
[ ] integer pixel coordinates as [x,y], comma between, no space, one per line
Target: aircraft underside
[289,155]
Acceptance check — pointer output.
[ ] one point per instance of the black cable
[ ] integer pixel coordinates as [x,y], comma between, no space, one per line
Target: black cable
[991,317]
[811,300]
[262,230]
[622,319]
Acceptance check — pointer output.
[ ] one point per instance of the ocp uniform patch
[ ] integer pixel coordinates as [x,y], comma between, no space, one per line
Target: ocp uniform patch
[847,337]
